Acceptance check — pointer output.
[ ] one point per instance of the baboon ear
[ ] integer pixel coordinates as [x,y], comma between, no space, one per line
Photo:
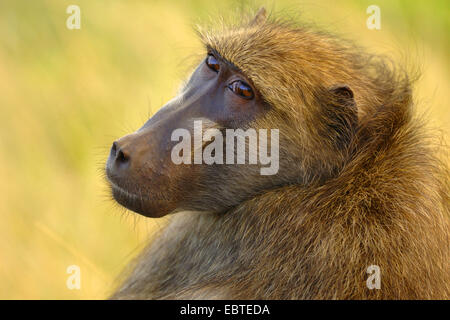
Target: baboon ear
[342,113]
[343,91]
[260,17]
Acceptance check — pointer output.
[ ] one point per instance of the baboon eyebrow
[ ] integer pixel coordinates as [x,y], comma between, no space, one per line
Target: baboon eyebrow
[219,57]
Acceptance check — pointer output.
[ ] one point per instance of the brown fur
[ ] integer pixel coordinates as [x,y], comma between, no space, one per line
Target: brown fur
[372,195]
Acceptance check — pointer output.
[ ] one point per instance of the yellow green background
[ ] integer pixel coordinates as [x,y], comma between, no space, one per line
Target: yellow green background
[65,95]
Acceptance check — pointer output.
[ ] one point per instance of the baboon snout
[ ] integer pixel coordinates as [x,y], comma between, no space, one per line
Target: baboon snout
[126,153]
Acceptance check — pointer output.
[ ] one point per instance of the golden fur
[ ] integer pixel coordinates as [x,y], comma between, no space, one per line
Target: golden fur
[382,198]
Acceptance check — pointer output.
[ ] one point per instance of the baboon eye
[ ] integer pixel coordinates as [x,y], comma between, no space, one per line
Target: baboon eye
[212,63]
[242,89]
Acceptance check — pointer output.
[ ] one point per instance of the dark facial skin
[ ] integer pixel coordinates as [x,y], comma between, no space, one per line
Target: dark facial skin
[143,177]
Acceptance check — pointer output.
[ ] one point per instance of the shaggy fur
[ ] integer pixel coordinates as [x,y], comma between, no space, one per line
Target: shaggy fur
[362,186]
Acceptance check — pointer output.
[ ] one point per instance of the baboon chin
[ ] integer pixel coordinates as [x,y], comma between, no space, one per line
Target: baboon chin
[355,185]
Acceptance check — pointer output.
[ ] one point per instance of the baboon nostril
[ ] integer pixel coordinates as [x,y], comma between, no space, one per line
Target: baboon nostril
[119,157]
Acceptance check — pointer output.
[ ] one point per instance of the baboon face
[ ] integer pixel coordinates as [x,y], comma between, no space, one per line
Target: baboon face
[140,170]
[249,80]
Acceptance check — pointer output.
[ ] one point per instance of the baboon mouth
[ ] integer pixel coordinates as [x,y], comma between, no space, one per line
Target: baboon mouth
[146,206]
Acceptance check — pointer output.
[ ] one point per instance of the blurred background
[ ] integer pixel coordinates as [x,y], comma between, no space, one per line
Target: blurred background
[66,95]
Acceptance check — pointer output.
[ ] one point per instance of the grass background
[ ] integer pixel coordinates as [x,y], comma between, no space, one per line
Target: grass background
[65,95]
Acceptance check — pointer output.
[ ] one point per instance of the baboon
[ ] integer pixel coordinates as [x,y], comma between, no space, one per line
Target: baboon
[359,181]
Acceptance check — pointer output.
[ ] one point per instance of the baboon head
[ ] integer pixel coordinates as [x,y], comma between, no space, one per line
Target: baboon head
[261,74]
